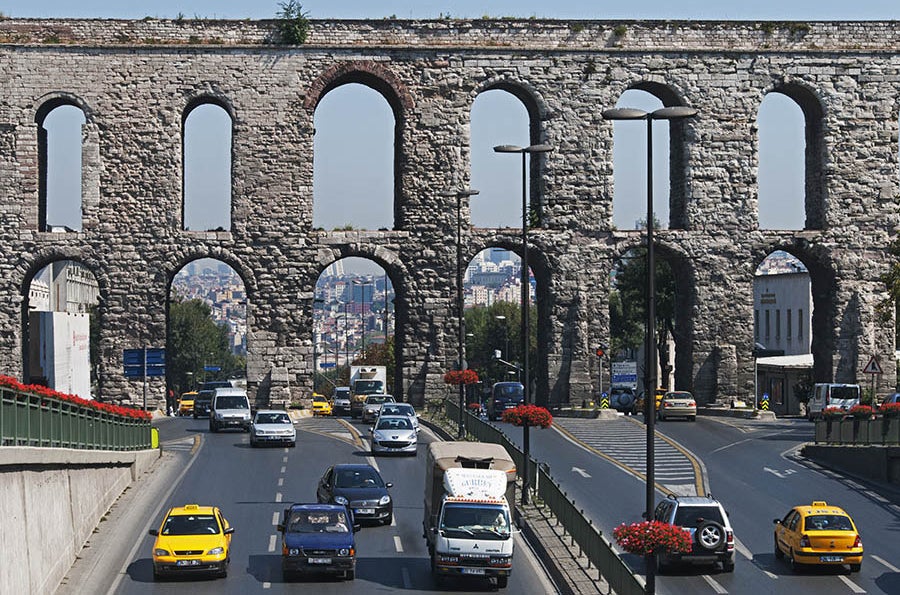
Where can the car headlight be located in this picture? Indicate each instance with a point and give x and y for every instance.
(377, 436)
(341, 500)
(216, 551)
(161, 552)
(344, 552)
(294, 551)
(385, 500)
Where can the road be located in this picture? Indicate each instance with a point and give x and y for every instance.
(753, 469)
(252, 486)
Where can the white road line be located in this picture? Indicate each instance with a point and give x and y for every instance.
(771, 575)
(277, 496)
(275, 516)
(393, 521)
(397, 545)
(729, 445)
(876, 497)
(715, 585)
(267, 585)
(742, 549)
(407, 582)
(283, 469)
(853, 586)
(895, 507)
(284, 459)
(887, 564)
(280, 481)
(272, 540)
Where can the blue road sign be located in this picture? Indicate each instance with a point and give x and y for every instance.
(327, 364)
(212, 368)
(134, 364)
(133, 357)
(156, 357)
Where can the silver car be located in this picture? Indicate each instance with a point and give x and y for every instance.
(394, 434)
(372, 407)
(272, 427)
(400, 409)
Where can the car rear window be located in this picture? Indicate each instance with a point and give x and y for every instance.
(231, 402)
(827, 522)
(692, 516)
(273, 418)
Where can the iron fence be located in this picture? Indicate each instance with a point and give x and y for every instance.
(27, 419)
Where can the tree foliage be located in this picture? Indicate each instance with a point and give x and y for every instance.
(293, 23)
(196, 341)
(890, 306)
(490, 334)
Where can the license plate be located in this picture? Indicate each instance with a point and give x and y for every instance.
(187, 563)
(364, 511)
(831, 558)
(320, 560)
(473, 570)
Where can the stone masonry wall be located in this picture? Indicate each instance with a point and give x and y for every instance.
(134, 80)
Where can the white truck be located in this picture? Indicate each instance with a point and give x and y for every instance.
(468, 521)
(365, 381)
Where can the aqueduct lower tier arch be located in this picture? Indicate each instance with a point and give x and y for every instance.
(135, 79)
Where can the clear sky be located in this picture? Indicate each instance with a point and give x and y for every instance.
(495, 119)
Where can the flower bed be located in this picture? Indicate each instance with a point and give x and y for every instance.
(528, 415)
(647, 537)
(861, 412)
(49, 393)
(890, 410)
(461, 377)
(833, 413)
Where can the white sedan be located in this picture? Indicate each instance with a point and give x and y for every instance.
(272, 427)
(394, 434)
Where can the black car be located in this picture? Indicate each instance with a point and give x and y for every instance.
(203, 403)
(360, 488)
(504, 395)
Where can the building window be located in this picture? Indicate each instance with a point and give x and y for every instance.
(777, 325)
(756, 324)
(787, 324)
(767, 325)
(800, 323)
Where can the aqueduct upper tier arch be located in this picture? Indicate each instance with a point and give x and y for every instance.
(135, 79)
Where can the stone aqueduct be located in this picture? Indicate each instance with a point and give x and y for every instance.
(135, 80)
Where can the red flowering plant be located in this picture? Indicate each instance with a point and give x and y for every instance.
(648, 537)
(528, 415)
(461, 377)
(890, 410)
(861, 412)
(833, 413)
(49, 393)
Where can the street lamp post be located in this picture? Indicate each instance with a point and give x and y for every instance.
(526, 295)
(460, 302)
(363, 313)
(666, 113)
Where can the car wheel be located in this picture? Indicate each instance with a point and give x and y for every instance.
(692, 418)
(389, 518)
(350, 575)
(253, 443)
(793, 563)
(156, 575)
(293, 444)
(502, 581)
(213, 428)
(727, 566)
(710, 535)
(779, 555)
(855, 567)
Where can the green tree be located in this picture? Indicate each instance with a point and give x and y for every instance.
(293, 22)
(196, 341)
(490, 334)
(890, 307)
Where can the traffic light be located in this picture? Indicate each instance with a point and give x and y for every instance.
(601, 351)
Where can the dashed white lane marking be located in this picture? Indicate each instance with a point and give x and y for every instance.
(715, 585)
(274, 518)
(393, 521)
(721, 448)
(397, 545)
(284, 459)
(280, 481)
(742, 549)
(283, 469)
(267, 585)
(407, 582)
(771, 575)
(876, 497)
(278, 497)
(272, 539)
(853, 586)
(895, 507)
(884, 562)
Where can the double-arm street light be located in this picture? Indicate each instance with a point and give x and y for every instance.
(460, 304)
(526, 295)
(666, 113)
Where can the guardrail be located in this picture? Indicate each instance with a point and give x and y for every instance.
(28, 419)
(881, 430)
(589, 538)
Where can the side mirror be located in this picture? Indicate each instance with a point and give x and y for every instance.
(777, 521)
(372, 429)
(153, 532)
(356, 527)
(389, 485)
(280, 528)
(229, 530)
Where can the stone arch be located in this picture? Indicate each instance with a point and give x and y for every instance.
(823, 285)
(199, 100)
(815, 155)
(182, 257)
(365, 72)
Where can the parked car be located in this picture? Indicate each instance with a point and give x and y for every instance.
(318, 538)
(192, 539)
(400, 409)
(712, 535)
(621, 398)
(818, 534)
(202, 402)
(372, 406)
(894, 398)
(272, 427)
(829, 394)
(341, 400)
(358, 487)
(186, 403)
(230, 409)
(504, 395)
(677, 403)
(394, 434)
(320, 405)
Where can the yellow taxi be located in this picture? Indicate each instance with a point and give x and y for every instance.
(818, 534)
(192, 539)
(320, 405)
(639, 402)
(186, 403)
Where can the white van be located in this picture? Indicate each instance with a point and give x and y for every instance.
(230, 408)
(828, 394)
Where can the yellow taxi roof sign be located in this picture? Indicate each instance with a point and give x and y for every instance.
(819, 503)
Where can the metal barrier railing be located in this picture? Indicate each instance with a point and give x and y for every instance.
(588, 537)
(28, 419)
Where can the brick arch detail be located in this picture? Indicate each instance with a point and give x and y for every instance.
(367, 72)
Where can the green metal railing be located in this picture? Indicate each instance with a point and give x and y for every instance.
(583, 532)
(27, 419)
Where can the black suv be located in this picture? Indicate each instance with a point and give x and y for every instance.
(705, 519)
(504, 395)
(203, 402)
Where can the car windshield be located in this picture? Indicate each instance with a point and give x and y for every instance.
(320, 400)
(231, 402)
(679, 395)
(486, 521)
(191, 524)
(318, 521)
(358, 478)
(509, 390)
(272, 418)
(844, 392)
(377, 400)
(693, 516)
(827, 522)
(394, 423)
